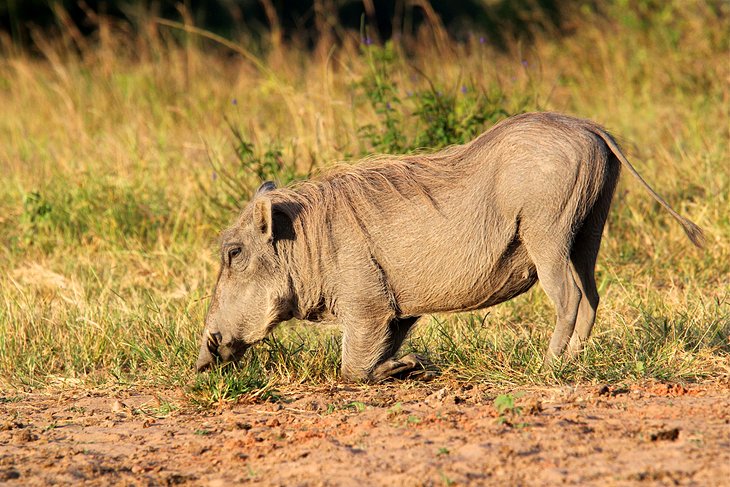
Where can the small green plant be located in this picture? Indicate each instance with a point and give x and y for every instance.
(504, 404)
(508, 413)
(445, 478)
(396, 410)
(412, 419)
(443, 451)
(162, 410)
(357, 406)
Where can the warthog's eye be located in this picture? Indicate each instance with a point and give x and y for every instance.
(233, 253)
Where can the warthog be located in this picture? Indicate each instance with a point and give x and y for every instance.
(377, 245)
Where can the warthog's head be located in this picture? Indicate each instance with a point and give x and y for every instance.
(253, 293)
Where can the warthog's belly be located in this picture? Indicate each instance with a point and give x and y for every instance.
(513, 275)
(475, 283)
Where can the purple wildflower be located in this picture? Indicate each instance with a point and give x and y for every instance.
(464, 89)
(367, 40)
(482, 40)
(524, 63)
(234, 102)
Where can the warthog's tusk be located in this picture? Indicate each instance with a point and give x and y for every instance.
(213, 340)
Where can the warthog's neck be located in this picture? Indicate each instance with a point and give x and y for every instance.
(306, 279)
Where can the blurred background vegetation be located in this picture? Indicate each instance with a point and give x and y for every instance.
(132, 131)
(309, 21)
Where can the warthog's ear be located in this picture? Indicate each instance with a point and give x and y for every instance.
(265, 187)
(262, 218)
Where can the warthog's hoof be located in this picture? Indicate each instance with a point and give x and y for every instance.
(411, 366)
(424, 375)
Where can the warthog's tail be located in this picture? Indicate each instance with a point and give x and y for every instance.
(695, 233)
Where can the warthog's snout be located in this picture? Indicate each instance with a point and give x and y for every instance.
(212, 351)
(205, 359)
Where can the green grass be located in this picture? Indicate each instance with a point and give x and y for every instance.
(122, 161)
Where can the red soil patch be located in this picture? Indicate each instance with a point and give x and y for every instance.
(393, 434)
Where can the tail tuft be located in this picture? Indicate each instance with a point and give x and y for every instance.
(694, 232)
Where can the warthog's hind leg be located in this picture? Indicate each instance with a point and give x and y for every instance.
(556, 278)
(563, 291)
(583, 260)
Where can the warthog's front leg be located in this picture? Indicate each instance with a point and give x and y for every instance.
(368, 352)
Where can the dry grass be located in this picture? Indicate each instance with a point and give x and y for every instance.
(108, 214)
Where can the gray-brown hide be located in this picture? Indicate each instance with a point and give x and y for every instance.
(381, 243)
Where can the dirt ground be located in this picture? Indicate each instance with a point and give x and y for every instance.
(393, 434)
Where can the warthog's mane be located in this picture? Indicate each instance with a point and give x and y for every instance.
(359, 191)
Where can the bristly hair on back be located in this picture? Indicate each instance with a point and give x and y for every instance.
(354, 188)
